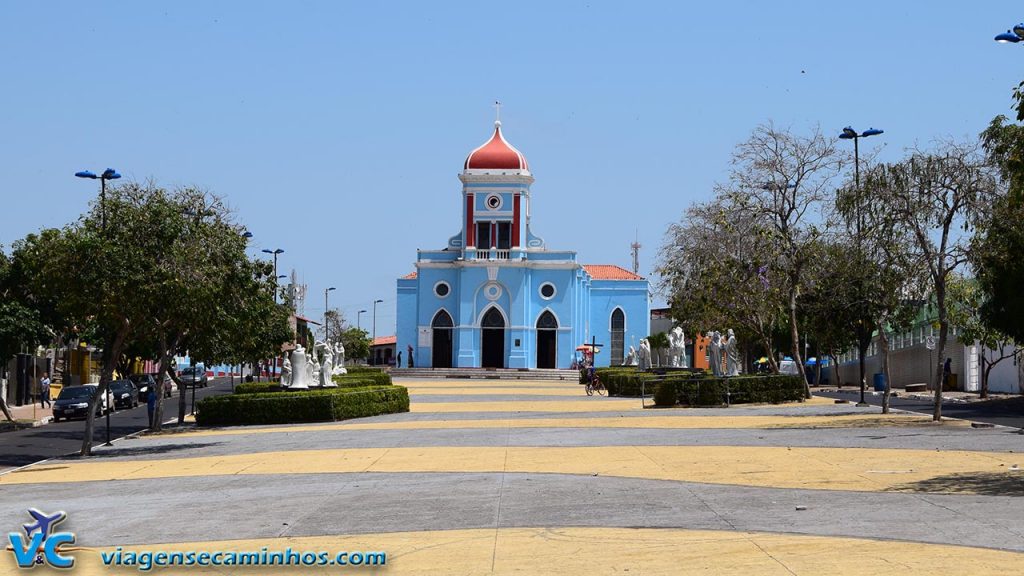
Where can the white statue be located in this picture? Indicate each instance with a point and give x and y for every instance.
(314, 368)
(326, 369)
(339, 360)
(677, 348)
(644, 356)
(630, 358)
(715, 353)
(732, 355)
(286, 372)
(300, 370)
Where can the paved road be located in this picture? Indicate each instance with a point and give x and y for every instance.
(1001, 413)
(23, 447)
(551, 481)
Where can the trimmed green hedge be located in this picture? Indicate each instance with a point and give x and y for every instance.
(699, 388)
(323, 405)
(358, 373)
(257, 387)
(711, 391)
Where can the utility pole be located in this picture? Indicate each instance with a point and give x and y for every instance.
(636, 246)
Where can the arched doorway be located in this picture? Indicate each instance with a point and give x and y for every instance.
(441, 357)
(547, 340)
(618, 326)
(492, 339)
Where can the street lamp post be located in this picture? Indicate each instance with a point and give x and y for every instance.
(108, 174)
(375, 302)
(1011, 36)
(274, 253)
(246, 235)
(359, 317)
(327, 327)
(849, 133)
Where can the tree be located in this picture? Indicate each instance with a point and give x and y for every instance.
(829, 306)
(716, 267)
(659, 342)
(20, 325)
(781, 179)
(966, 300)
(937, 197)
(356, 342)
(334, 326)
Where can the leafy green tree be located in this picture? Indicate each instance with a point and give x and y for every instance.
(356, 342)
(966, 299)
(20, 325)
(659, 343)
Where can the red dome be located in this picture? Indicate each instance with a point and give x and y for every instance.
(496, 154)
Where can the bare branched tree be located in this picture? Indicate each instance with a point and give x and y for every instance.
(938, 196)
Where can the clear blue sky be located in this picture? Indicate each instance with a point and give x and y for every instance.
(336, 130)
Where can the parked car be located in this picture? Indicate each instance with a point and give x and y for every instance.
(126, 395)
(73, 402)
(194, 376)
(142, 383)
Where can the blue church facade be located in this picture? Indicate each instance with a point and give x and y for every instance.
(496, 297)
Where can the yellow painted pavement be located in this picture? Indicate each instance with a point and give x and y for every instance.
(594, 404)
(598, 551)
(681, 421)
(858, 469)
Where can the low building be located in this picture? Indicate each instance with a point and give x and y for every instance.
(383, 351)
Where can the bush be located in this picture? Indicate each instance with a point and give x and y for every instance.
(257, 387)
(359, 374)
(665, 394)
(323, 405)
(712, 391)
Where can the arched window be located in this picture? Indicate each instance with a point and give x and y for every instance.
(547, 321)
(442, 320)
(618, 325)
(492, 319)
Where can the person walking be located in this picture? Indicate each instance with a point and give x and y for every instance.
(399, 363)
(44, 391)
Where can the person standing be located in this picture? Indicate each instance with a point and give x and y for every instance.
(399, 363)
(151, 404)
(44, 391)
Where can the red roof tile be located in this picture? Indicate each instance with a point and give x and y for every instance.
(409, 276)
(609, 272)
(384, 340)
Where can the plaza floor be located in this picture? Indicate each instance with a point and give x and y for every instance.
(493, 477)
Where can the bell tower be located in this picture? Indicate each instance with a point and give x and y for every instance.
(496, 183)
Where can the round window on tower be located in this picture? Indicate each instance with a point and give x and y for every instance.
(493, 202)
(442, 289)
(547, 290)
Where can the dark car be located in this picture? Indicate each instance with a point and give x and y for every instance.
(142, 383)
(73, 402)
(194, 376)
(126, 395)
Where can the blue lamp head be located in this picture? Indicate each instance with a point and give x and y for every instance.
(110, 174)
(848, 133)
(1008, 38)
(872, 132)
(246, 234)
(86, 174)
(1019, 30)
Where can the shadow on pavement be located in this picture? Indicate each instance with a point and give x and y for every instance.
(117, 452)
(985, 483)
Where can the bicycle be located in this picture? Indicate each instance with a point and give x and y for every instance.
(595, 385)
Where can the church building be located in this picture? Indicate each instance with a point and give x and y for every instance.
(497, 297)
